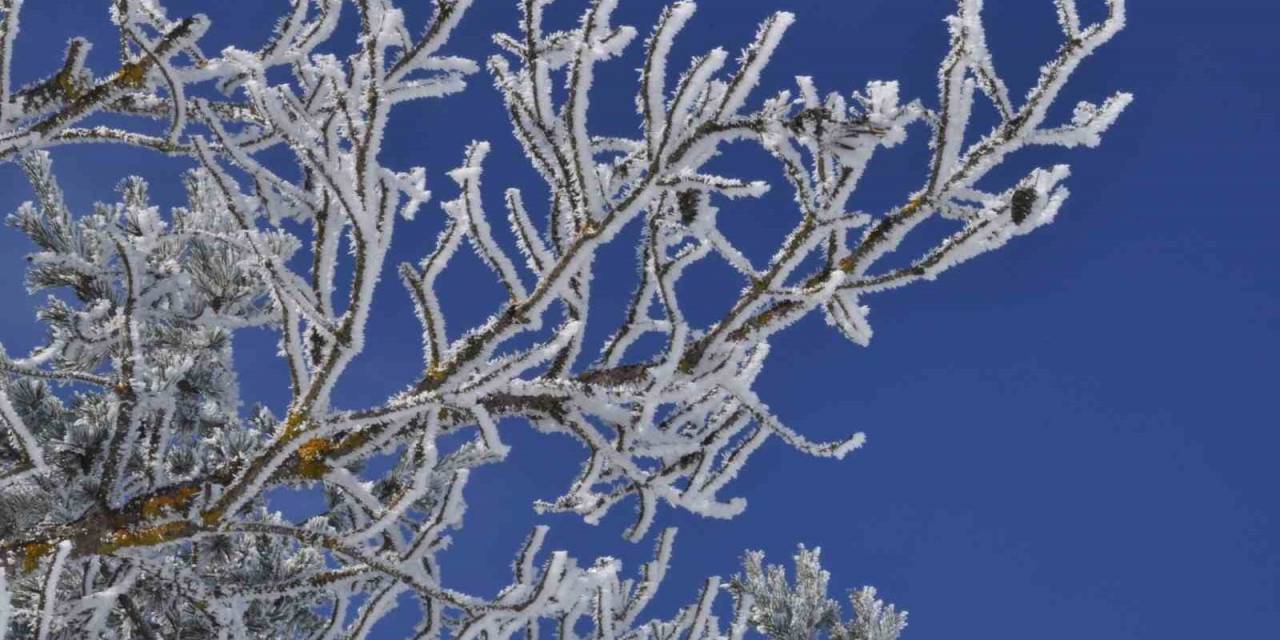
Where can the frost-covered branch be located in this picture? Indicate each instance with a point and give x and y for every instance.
(133, 486)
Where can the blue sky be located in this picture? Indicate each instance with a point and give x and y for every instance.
(1072, 437)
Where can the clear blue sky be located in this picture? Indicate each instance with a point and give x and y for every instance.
(1074, 437)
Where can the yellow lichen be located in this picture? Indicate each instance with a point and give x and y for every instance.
(293, 426)
(68, 85)
(353, 441)
(133, 74)
(914, 205)
(211, 517)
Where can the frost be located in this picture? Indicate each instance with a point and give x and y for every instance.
(124, 431)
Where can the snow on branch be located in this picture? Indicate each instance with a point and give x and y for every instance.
(133, 485)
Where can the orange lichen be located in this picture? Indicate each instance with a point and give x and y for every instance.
(32, 553)
(311, 458)
(157, 505)
(123, 538)
(313, 453)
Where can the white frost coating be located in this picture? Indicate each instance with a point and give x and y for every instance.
(753, 61)
(1088, 123)
(390, 515)
(49, 596)
(979, 59)
(1068, 17)
(27, 442)
(8, 33)
(654, 74)
(530, 239)
(142, 326)
(826, 449)
(468, 177)
(489, 432)
(6, 605)
(691, 86)
(846, 314)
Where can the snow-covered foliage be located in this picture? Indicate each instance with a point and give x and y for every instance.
(132, 483)
(781, 611)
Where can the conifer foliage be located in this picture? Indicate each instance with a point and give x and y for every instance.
(132, 481)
